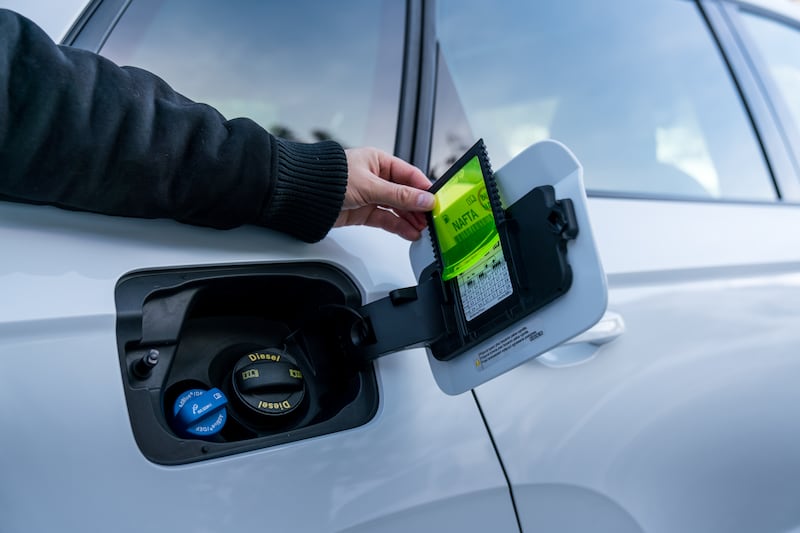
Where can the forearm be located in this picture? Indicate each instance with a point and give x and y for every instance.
(77, 131)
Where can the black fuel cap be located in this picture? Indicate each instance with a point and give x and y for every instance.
(269, 383)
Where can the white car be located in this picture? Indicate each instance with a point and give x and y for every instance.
(678, 412)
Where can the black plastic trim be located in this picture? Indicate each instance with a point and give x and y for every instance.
(409, 91)
(382, 334)
(170, 296)
(427, 89)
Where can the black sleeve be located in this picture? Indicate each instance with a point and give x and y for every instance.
(77, 131)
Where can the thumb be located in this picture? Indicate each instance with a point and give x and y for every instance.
(400, 196)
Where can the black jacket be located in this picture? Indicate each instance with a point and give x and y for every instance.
(76, 131)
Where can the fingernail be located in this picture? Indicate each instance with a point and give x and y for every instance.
(425, 200)
(411, 235)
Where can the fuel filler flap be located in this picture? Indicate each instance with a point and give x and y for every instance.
(507, 270)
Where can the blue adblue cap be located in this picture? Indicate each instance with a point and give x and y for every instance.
(200, 413)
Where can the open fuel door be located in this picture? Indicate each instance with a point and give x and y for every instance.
(507, 271)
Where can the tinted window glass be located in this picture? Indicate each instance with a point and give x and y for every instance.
(779, 45)
(638, 90)
(302, 69)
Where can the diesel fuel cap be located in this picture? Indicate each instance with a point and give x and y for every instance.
(269, 383)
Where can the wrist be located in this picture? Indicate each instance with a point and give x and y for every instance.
(309, 188)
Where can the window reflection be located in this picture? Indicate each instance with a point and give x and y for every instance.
(637, 90)
(779, 44)
(304, 70)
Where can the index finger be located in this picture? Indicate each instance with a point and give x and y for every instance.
(396, 170)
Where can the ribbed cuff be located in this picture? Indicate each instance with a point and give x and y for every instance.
(309, 189)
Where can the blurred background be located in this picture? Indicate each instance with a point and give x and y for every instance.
(51, 14)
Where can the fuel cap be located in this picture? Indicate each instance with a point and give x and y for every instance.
(199, 412)
(269, 383)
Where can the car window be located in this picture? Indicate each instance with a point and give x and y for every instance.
(638, 90)
(779, 45)
(304, 70)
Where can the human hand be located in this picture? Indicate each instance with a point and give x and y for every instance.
(385, 192)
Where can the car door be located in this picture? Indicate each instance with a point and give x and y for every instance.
(75, 453)
(678, 414)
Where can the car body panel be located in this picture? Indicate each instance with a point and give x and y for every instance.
(686, 422)
(68, 440)
(693, 432)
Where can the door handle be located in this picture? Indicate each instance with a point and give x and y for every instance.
(608, 328)
(584, 347)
